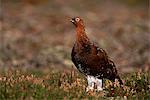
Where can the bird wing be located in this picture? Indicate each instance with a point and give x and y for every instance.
(100, 62)
(100, 53)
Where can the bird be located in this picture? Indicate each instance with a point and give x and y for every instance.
(91, 60)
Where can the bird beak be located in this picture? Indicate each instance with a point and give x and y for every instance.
(72, 20)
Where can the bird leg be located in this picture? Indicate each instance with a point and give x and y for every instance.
(91, 82)
(94, 83)
(99, 84)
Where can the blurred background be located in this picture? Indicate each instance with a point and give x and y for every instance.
(38, 34)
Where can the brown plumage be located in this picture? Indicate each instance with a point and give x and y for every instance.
(89, 58)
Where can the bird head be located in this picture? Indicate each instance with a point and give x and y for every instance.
(77, 21)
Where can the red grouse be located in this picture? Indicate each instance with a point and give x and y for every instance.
(91, 60)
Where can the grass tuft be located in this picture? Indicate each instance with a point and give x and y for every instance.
(21, 84)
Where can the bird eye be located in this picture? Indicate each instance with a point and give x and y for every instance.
(77, 19)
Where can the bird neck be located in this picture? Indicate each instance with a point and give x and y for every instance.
(81, 36)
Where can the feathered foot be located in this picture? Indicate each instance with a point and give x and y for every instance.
(94, 84)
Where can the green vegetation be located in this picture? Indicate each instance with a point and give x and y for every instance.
(19, 84)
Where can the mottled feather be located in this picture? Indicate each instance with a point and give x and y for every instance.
(89, 58)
